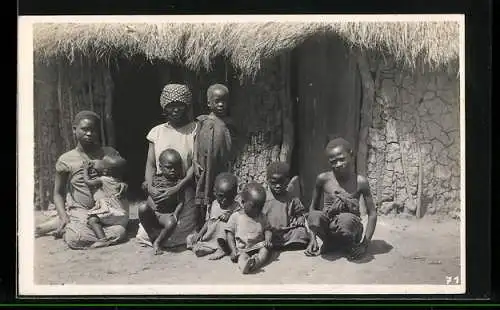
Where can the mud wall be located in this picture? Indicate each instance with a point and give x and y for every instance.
(412, 140)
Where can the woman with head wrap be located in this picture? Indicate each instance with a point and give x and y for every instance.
(73, 197)
(178, 133)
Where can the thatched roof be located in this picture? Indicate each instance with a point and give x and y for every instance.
(244, 44)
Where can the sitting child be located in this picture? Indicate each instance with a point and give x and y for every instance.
(285, 213)
(167, 210)
(248, 233)
(104, 178)
(211, 238)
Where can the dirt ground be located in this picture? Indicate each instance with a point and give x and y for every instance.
(403, 251)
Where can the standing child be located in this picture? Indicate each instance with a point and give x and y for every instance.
(212, 236)
(167, 210)
(104, 178)
(285, 213)
(213, 146)
(248, 232)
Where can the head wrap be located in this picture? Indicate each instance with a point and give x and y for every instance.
(86, 115)
(335, 142)
(175, 92)
(214, 87)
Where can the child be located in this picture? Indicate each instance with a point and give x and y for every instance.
(213, 146)
(167, 211)
(104, 176)
(248, 233)
(285, 213)
(339, 224)
(211, 238)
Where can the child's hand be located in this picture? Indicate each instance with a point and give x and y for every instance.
(268, 244)
(224, 217)
(58, 234)
(234, 257)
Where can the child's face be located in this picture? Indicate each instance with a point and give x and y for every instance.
(339, 159)
(170, 168)
(224, 193)
(278, 183)
(218, 103)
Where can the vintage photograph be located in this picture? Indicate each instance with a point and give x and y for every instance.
(306, 154)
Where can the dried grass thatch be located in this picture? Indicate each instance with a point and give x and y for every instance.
(246, 45)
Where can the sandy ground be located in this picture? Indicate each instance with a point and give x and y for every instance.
(403, 251)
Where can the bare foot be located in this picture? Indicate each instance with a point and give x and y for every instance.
(249, 266)
(200, 251)
(100, 244)
(218, 254)
(157, 250)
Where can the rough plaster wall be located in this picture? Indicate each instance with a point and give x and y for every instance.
(412, 114)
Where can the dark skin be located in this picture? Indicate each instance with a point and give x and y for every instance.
(171, 168)
(252, 203)
(224, 192)
(278, 184)
(86, 133)
(102, 170)
(218, 102)
(342, 174)
(176, 116)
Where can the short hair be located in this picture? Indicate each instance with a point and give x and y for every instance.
(230, 178)
(255, 188)
(170, 152)
(86, 115)
(278, 167)
(213, 88)
(333, 142)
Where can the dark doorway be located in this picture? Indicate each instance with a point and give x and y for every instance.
(136, 110)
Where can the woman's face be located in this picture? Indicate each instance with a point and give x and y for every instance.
(87, 132)
(176, 112)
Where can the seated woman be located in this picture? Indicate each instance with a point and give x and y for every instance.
(178, 133)
(72, 196)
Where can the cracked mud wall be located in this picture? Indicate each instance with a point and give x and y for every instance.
(413, 123)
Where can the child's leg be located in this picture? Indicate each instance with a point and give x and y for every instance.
(148, 220)
(95, 224)
(218, 254)
(168, 224)
(261, 258)
(243, 262)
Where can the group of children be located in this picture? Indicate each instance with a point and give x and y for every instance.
(246, 229)
(245, 226)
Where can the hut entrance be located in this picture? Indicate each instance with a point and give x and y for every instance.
(328, 88)
(136, 110)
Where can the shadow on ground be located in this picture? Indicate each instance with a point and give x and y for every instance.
(376, 247)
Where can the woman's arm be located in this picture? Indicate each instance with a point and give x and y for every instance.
(150, 169)
(60, 182)
(316, 194)
(178, 210)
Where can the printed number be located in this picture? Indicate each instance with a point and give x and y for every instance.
(452, 280)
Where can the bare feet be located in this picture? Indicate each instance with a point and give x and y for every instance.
(218, 254)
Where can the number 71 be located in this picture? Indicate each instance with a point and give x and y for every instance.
(452, 280)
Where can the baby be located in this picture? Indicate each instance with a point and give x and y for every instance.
(167, 211)
(248, 233)
(104, 178)
(211, 238)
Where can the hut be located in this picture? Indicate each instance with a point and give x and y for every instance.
(390, 88)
